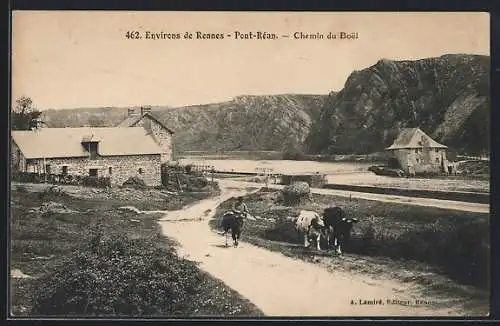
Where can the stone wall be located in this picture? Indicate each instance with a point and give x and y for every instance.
(17, 160)
(162, 137)
(122, 167)
(422, 160)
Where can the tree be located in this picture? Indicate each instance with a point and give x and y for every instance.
(94, 121)
(24, 116)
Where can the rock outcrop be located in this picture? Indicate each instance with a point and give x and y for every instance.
(448, 97)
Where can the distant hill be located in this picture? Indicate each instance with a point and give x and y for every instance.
(270, 122)
(96, 117)
(448, 97)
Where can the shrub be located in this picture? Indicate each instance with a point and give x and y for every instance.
(460, 249)
(296, 193)
(120, 277)
(51, 192)
(32, 177)
(313, 180)
(295, 155)
(189, 182)
(166, 167)
(284, 230)
(22, 189)
(100, 182)
(135, 182)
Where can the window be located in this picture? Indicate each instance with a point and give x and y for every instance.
(65, 170)
(140, 170)
(93, 150)
(110, 170)
(436, 150)
(437, 159)
(47, 168)
(93, 173)
(418, 160)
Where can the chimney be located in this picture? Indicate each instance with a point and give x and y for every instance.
(131, 112)
(145, 110)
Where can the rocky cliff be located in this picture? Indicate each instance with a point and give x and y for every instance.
(448, 97)
(274, 122)
(279, 123)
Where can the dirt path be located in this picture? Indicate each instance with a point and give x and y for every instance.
(448, 204)
(283, 286)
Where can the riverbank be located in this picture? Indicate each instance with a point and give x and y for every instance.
(396, 243)
(426, 234)
(290, 156)
(318, 286)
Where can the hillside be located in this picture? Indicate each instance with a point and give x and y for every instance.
(274, 122)
(447, 97)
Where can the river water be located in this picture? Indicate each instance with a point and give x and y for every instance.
(350, 173)
(279, 166)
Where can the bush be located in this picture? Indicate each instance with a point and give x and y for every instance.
(166, 167)
(32, 177)
(460, 249)
(22, 189)
(284, 230)
(295, 155)
(100, 182)
(135, 182)
(120, 277)
(194, 181)
(313, 180)
(296, 193)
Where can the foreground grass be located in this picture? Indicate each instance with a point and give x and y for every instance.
(133, 270)
(453, 243)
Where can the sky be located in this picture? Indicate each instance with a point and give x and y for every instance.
(70, 59)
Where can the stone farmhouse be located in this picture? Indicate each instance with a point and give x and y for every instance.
(118, 153)
(416, 152)
(136, 147)
(157, 130)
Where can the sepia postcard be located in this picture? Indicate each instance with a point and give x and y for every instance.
(249, 164)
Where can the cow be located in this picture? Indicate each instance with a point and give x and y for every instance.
(338, 226)
(309, 224)
(233, 221)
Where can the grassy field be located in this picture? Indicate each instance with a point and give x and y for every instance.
(453, 244)
(64, 242)
(442, 183)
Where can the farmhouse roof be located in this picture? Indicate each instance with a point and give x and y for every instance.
(67, 142)
(132, 121)
(414, 138)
